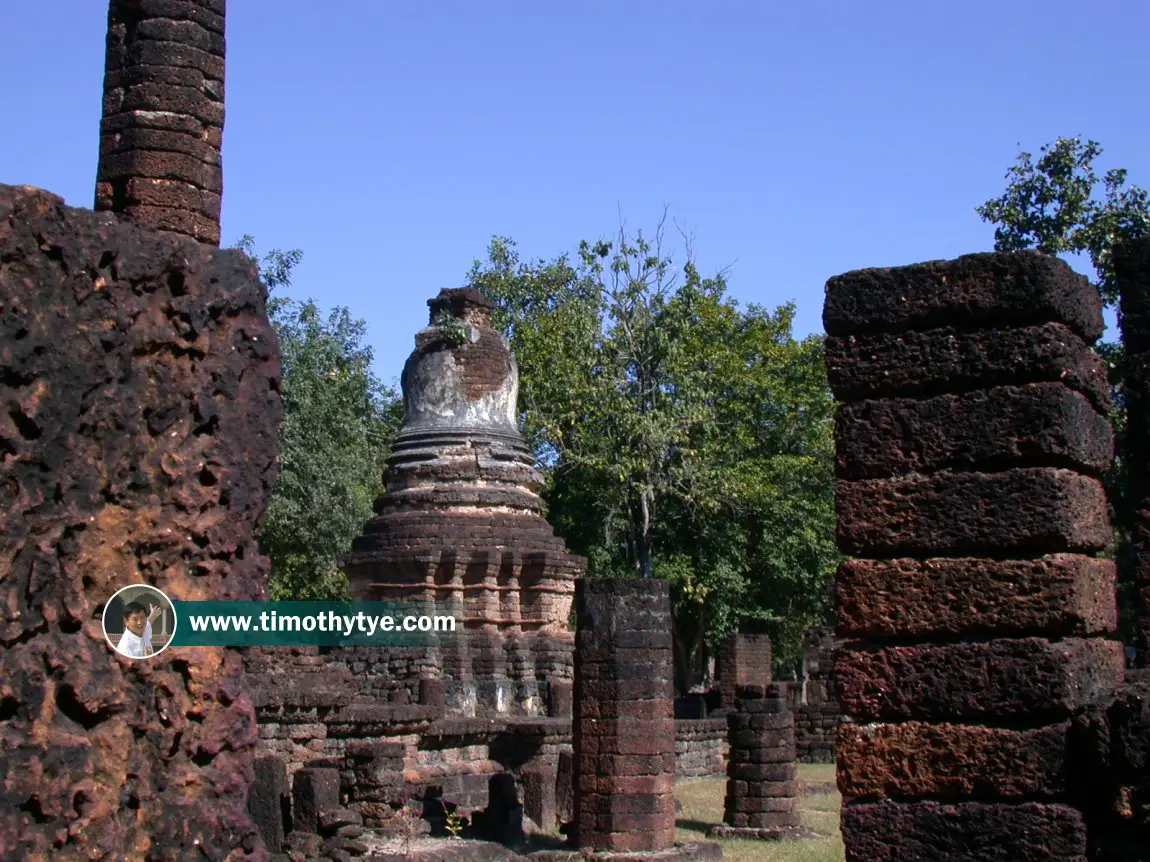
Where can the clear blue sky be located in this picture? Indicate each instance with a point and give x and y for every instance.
(389, 140)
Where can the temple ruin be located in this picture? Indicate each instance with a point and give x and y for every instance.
(986, 710)
(461, 523)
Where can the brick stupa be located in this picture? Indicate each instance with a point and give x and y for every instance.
(461, 523)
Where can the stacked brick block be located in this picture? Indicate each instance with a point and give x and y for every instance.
(163, 115)
(744, 659)
(970, 442)
(624, 725)
(1132, 267)
(761, 783)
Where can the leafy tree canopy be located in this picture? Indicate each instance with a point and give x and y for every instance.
(1055, 205)
(683, 437)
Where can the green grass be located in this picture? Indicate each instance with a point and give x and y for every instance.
(703, 808)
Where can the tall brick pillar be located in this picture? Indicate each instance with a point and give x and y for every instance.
(1132, 267)
(971, 436)
(624, 725)
(744, 659)
(163, 115)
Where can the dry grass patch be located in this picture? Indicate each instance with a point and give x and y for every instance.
(703, 808)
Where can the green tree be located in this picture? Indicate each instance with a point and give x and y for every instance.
(1053, 205)
(1058, 205)
(683, 437)
(339, 421)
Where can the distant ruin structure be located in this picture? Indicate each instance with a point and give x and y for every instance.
(744, 659)
(163, 116)
(813, 700)
(978, 612)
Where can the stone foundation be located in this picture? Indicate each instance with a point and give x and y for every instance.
(959, 741)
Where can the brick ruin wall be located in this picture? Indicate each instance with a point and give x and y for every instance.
(745, 659)
(700, 748)
(139, 380)
(312, 704)
(163, 115)
(812, 699)
(978, 614)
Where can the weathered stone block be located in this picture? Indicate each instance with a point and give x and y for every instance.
(314, 791)
(753, 722)
(1038, 425)
(769, 819)
(208, 14)
(190, 33)
(948, 360)
(964, 832)
(267, 801)
(951, 761)
(784, 753)
(756, 804)
(1004, 288)
(1019, 511)
(560, 694)
(736, 787)
(1058, 595)
(140, 378)
(1025, 679)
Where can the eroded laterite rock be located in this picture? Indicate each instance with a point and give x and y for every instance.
(895, 831)
(1059, 594)
(949, 359)
(1040, 424)
(983, 290)
(1011, 679)
(952, 762)
(139, 385)
(1021, 511)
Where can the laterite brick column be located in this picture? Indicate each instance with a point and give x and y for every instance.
(163, 115)
(624, 730)
(761, 774)
(970, 441)
(1132, 267)
(744, 659)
